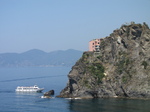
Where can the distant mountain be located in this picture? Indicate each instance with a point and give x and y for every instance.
(37, 57)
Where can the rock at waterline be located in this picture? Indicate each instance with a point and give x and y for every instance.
(48, 94)
(51, 92)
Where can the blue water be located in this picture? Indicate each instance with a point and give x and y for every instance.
(54, 78)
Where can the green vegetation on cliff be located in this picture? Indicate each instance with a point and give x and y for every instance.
(120, 69)
(97, 70)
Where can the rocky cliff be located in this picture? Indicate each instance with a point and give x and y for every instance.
(120, 69)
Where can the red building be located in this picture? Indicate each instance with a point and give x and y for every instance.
(94, 45)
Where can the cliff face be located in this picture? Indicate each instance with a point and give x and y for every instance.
(120, 69)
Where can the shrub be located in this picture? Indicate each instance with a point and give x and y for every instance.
(144, 63)
(123, 64)
(124, 79)
(97, 70)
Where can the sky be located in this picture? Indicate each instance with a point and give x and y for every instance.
(51, 25)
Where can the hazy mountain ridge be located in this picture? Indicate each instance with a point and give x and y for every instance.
(37, 57)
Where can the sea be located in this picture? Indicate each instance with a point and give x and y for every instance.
(54, 78)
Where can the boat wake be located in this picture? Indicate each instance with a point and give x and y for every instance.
(30, 78)
(6, 91)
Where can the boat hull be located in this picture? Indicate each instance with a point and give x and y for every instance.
(29, 89)
(39, 90)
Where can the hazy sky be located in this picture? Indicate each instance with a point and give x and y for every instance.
(51, 25)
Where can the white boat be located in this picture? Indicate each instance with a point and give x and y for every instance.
(34, 88)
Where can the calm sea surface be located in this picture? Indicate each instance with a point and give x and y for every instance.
(54, 78)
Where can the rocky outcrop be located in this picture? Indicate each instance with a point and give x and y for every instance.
(120, 69)
(48, 94)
